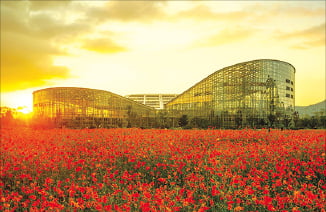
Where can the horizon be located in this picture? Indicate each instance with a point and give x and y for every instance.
(154, 47)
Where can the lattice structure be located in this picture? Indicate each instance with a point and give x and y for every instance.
(156, 101)
(255, 94)
(83, 107)
(258, 93)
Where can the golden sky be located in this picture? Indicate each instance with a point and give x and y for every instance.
(129, 47)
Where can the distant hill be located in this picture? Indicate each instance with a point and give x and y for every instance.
(317, 109)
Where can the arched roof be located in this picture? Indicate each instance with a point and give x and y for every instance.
(231, 66)
(95, 91)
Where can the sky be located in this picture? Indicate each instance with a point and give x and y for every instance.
(131, 47)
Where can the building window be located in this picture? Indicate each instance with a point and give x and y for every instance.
(291, 96)
(287, 88)
(291, 89)
(287, 81)
(287, 95)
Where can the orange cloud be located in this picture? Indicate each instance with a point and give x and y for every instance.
(46, 5)
(290, 10)
(255, 13)
(203, 12)
(27, 62)
(225, 36)
(102, 45)
(26, 56)
(307, 38)
(128, 11)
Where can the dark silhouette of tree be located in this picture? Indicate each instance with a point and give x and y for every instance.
(313, 123)
(238, 119)
(197, 122)
(131, 116)
(271, 119)
(162, 119)
(322, 122)
(304, 123)
(295, 117)
(286, 121)
(183, 120)
(261, 123)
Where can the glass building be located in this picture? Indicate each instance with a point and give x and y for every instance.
(257, 93)
(82, 107)
(156, 101)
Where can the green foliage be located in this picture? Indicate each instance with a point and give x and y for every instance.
(312, 122)
(197, 122)
(183, 121)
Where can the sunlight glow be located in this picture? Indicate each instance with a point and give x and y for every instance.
(24, 110)
(18, 99)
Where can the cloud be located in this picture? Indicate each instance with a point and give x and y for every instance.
(50, 22)
(270, 11)
(34, 32)
(252, 19)
(289, 10)
(203, 12)
(314, 32)
(47, 27)
(12, 14)
(26, 62)
(48, 5)
(225, 36)
(128, 11)
(307, 38)
(258, 13)
(26, 54)
(102, 45)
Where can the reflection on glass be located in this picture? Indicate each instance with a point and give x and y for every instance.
(255, 94)
(82, 107)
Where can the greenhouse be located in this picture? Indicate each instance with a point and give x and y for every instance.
(82, 107)
(251, 94)
(256, 94)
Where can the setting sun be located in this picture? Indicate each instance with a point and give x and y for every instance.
(18, 99)
(24, 110)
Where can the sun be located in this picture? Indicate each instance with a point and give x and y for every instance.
(25, 110)
(22, 101)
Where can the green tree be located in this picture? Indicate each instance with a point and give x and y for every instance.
(183, 121)
(162, 119)
(313, 122)
(322, 121)
(286, 121)
(295, 118)
(271, 119)
(304, 123)
(197, 122)
(238, 119)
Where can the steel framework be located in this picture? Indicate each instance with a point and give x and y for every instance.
(83, 107)
(254, 94)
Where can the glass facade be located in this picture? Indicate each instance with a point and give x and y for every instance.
(83, 107)
(156, 101)
(257, 93)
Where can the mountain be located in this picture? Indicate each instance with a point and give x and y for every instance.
(318, 109)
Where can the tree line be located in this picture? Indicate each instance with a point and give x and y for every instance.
(163, 120)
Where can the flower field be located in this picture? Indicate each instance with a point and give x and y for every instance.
(162, 170)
